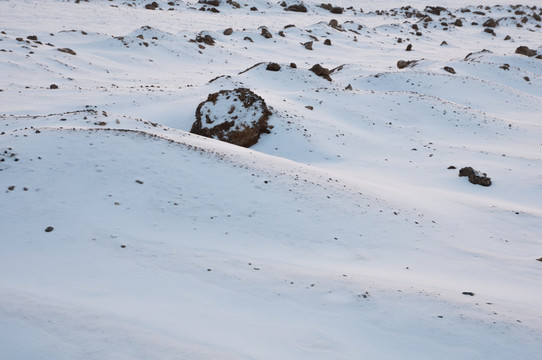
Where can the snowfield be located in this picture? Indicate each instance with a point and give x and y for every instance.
(345, 233)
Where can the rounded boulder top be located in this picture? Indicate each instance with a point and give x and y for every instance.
(237, 116)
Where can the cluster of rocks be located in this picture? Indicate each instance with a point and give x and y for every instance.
(475, 177)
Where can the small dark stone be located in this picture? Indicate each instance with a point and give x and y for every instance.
(228, 31)
(123, 246)
(273, 67)
(53, 86)
(451, 167)
(206, 39)
(152, 6)
(490, 23)
(444, 43)
(321, 71)
(490, 31)
(540, 259)
(475, 177)
(409, 47)
(293, 65)
(308, 45)
(11, 188)
(449, 69)
(67, 51)
(296, 8)
(254, 8)
(458, 23)
(469, 293)
(401, 64)
(526, 78)
(266, 34)
(32, 37)
(327, 42)
(524, 50)
(139, 181)
(49, 229)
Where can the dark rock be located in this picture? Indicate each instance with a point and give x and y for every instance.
(67, 51)
(469, 293)
(444, 43)
(210, 2)
(49, 229)
(254, 8)
(321, 71)
(490, 31)
(236, 116)
(296, 8)
(490, 23)
(458, 22)
(435, 10)
(293, 65)
(348, 87)
(53, 86)
(475, 177)
(327, 42)
(152, 6)
(235, 4)
(540, 259)
(524, 50)
(507, 37)
(401, 64)
(248, 38)
(449, 69)
(451, 167)
(266, 34)
(409, 47)
(206, 39)
(273, 67)
(32, 37)
(228, 31)
(526, 78)
(308, 45)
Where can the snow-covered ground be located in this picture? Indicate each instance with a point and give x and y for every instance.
(342, 234)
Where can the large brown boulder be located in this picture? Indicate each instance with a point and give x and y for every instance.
(236, 116)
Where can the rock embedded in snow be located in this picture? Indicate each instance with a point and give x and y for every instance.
(297, 8)
(401, 64)
(236, 116)
(321, 71)
(475, 177)
(273, 67)
(524, 50)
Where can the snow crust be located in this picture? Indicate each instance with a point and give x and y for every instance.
(342, 234)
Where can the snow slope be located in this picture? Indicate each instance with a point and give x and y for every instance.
(342, 234)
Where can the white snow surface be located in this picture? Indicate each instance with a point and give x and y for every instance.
(342, 234)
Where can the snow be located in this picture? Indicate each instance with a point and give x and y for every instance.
(341, 234)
